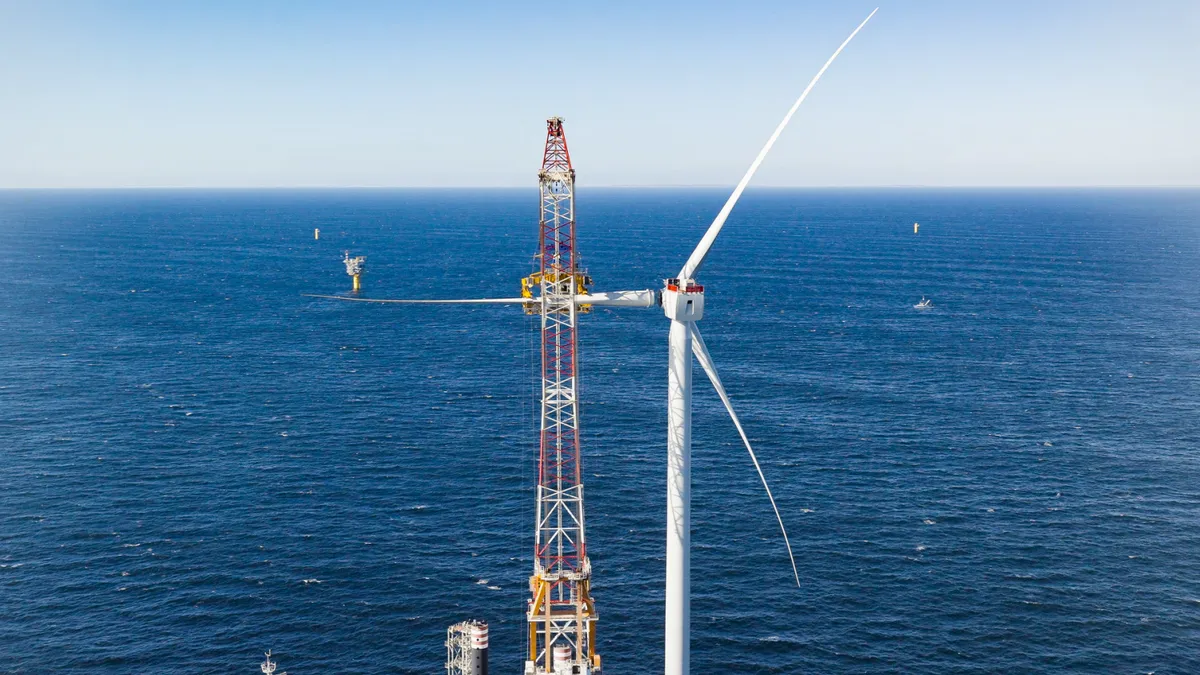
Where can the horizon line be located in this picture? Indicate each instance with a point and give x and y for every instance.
(664, 186)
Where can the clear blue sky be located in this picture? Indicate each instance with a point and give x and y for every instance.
(455, 93)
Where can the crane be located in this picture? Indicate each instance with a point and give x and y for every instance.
(560, 612)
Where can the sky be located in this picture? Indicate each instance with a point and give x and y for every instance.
(433, 94)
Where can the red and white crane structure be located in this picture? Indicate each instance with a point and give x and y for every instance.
(561, 612)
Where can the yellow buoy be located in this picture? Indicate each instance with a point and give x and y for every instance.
(316, 233)
(915, 226)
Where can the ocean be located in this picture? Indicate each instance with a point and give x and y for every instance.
(198, 464)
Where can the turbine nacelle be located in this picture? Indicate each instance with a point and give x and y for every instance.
(683, 300)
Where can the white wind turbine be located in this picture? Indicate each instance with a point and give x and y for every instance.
(682, 301)
(683, 304)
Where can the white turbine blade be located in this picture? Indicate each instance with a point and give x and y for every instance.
(705, 360)
(646, 298)
(476, 301)
(697, 258)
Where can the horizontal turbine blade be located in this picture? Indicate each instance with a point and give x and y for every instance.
(646, 298)
(475, 301)
(697, 258)
(705, 360)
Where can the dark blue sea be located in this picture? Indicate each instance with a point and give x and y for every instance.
(198, 464)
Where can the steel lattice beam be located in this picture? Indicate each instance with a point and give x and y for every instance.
(561, 611)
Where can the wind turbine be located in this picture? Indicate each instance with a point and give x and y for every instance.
(682, 301)
(683, 304)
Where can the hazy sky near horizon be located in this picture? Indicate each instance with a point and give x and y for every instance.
(207, 94)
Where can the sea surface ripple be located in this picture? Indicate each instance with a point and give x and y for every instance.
(198, 464)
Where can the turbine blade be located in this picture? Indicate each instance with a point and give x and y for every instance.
(705, 360)
(697, 258)
(484, 301)
(646, 298)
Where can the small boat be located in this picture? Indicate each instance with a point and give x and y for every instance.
(925, 303)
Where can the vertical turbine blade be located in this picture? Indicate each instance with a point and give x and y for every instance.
(693, 263)
(705, 360)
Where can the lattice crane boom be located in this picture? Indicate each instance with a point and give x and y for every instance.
(560, 612)
(561, 615)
